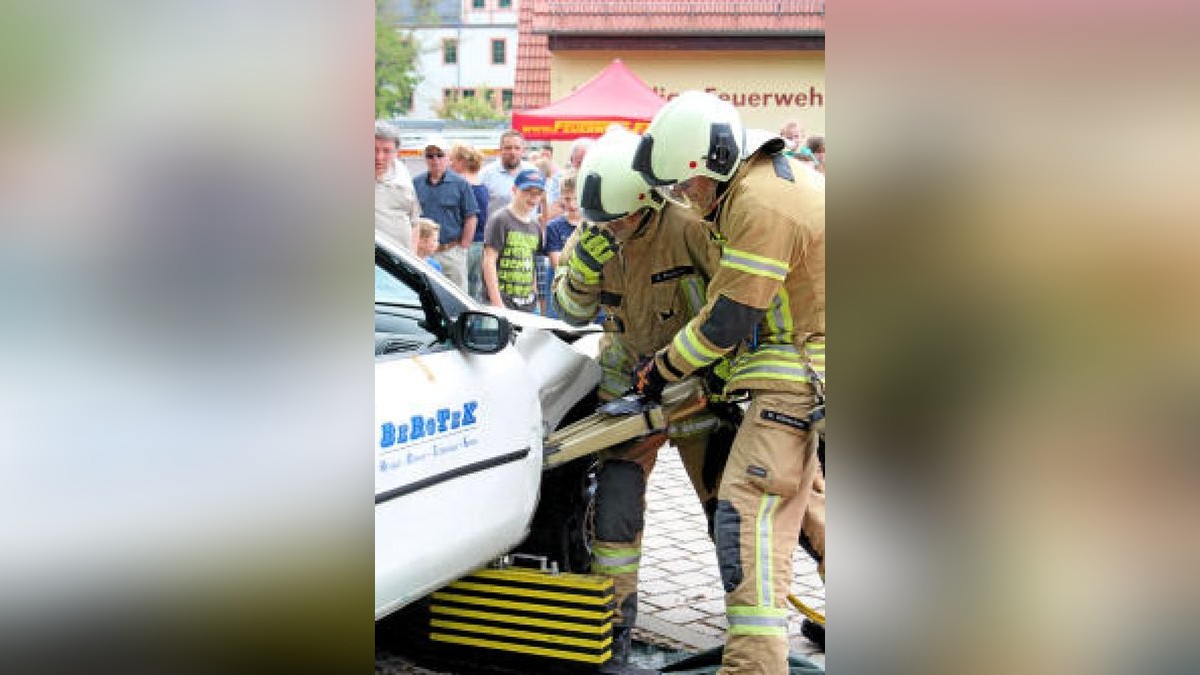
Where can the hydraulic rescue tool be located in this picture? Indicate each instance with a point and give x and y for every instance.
(622, 419)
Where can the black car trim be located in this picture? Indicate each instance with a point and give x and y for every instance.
(459, 472)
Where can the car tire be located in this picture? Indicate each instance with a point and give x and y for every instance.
(559, 531)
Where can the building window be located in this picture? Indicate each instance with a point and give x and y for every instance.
(449, 51)
(506, 96)
(477, 4)
(504, 4)
(499, 52)
(468, 93)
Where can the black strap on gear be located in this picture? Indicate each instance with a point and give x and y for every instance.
(782, 168)
(610, 299)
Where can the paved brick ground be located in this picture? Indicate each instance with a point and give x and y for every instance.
(680, 596)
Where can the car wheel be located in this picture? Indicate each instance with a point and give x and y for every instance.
(559, 531)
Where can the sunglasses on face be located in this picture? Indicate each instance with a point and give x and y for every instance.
(432, 155)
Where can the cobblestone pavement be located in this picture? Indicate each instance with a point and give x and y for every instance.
(679, 593)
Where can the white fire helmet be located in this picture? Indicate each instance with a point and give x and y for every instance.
(694, 134)
(607, 187)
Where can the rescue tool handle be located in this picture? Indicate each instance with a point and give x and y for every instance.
(543, 563)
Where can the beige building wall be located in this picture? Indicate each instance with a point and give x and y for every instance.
(767, 87)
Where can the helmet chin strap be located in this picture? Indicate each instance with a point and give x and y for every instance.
(643, 222)
(722, 190)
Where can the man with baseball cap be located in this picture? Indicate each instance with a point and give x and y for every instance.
(447, 199)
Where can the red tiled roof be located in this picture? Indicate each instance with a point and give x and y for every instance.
(537, 20)
(703, 17)
(531, 84)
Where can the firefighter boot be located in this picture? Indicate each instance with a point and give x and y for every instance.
(622, 645)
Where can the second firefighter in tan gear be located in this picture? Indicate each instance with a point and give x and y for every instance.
(766, 306)
(646, 268)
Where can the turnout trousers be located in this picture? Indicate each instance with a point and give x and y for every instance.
(618, 516)
(813, 529)
(761, 505)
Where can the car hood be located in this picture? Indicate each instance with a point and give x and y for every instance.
(527, 320)
(561, 358)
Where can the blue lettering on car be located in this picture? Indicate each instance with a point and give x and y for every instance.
(418, 427)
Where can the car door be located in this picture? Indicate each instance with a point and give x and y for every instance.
(457, 442)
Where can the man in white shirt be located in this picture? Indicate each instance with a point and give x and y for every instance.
(396, 204)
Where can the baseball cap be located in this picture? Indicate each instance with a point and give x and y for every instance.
(436, 142)
(529, 178)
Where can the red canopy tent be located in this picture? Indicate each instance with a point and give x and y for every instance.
(614, 96)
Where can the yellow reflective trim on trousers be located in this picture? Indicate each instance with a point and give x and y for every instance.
(751, 263)
(752, 620)
(688, 344)
(755, 610)
(763, 525)
(692, 426)
(768, 631)
(614, 570)
(616, 551)
(613, 560)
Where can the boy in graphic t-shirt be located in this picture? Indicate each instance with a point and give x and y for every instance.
(512, 238)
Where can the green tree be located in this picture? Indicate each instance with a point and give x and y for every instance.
(395, 64)
(472, 108)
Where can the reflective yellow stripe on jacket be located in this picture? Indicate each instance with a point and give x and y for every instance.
(579, 307)
(779, 363)
(751, 263)
(694, 349)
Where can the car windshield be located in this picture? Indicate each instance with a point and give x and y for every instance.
(392, 291)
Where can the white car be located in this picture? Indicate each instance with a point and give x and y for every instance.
(463, 398)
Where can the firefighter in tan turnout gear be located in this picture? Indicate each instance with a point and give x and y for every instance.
(647, 267)
(766, 310)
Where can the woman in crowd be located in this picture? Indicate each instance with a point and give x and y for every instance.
(466, 161)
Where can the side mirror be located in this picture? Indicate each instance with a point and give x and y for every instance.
(482, 333)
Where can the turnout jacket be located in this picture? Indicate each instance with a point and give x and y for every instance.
(767, 298)
(648, 291)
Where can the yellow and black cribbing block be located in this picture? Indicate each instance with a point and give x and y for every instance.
(529, 612)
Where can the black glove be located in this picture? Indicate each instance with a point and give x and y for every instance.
(648, 381)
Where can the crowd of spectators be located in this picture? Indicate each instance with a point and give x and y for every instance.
(461, 206)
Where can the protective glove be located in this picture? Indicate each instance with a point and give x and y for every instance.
(595, 248)
(715, 377)
(648, 381)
